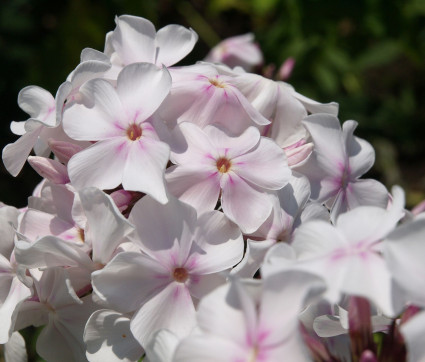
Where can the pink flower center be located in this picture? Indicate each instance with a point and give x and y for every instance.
(223, 165)
(134, 132)
(180, 275)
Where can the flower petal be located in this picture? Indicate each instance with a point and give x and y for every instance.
(15, 154)
(134, 39)
(106, 225)
(329, 148)
(244, 204)
(174, 43)
(129, 280)
(149, 218)
(14, 349)
(266, 166)
(360, 152)
(108, 338)
(405, 252)
(413, 333)
(142, 87)
(105, 119)
(170, 309)
(229, 313)
(220, 241)
(284, 295)
(233, 146)
(210, 349)
(38, 103)
(100, 165)
(144, 168)
(9, 307)
(199, 189)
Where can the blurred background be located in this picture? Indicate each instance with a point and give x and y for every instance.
(367, 55)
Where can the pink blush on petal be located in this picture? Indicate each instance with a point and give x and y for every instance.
(122, 150)
(176, 293)
(262, 335)
(191, 263)
(194, 279)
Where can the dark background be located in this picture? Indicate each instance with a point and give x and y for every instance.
(367, 55)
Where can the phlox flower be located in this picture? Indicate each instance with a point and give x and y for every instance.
(108, 337)
(64, 315)
(348, 255)
(182, 258)
(248, 320)
(128, 150)
(44, 111)
(237, 51)
(12, 289)
(201, 95)
(135, 40)
(99, 231)
(338, 161)
(56, 212)
(241, 171)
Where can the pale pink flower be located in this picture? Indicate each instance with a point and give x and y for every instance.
(108, 337)
(100, 231)
(338, 161)
(236, 51)
(181, 261)
(64, 315)
(135, 40)
(348, 255)
(247, 320)
(13, 292)
(128, 150)
(241, 171)
(54, 213)
(201, 95)
(42, 125)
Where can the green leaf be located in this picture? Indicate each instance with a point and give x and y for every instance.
(380, 54)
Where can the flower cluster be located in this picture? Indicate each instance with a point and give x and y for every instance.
(202, 213)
